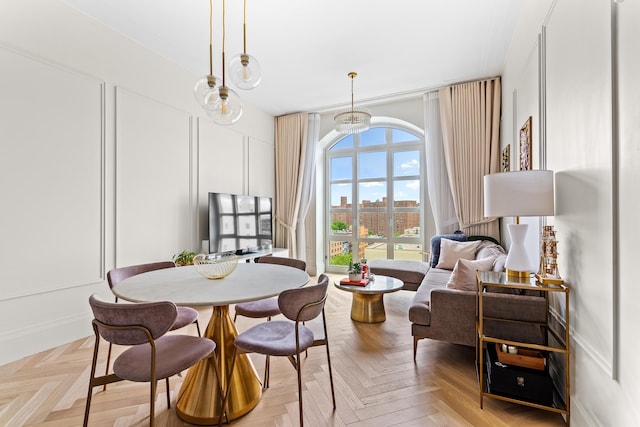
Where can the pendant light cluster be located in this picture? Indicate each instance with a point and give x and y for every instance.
(352, 121)
(221, 103)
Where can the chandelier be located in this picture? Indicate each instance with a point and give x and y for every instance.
(221, 103)
(352, 120)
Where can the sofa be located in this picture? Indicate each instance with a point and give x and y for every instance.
(444, 305)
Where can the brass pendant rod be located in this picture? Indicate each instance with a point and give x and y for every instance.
(224, 34)
(211, 37)
(244, 26)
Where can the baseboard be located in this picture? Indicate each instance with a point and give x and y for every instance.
(43, 336)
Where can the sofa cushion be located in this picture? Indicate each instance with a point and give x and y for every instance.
(499, 262)
(463, 277)
(451, 251)
(419, 311)
(435, 245)
(488, 249)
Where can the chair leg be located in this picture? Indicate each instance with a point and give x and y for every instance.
(298, 368)
(333, 393)
(415, 348)
(106, 370)
(152, 404)
(326, 344)
(226, 392)
(198, 327)
(267, 364)
(168, 396)
(87, 406)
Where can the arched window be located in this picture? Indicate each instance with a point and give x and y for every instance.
(374, 196)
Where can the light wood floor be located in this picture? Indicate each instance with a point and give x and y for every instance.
(377, 383)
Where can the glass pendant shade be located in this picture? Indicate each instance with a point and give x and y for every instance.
(202, 87)
(223, 106)
(352, 121)
(211, 97)
(245, 71)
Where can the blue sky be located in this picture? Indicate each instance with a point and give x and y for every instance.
(373, 169)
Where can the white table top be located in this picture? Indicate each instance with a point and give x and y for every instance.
(380, 285)
(185, 286)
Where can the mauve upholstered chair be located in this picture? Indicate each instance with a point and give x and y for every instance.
(186, 315)
(290, 337)
(151, 355)
(266, 307)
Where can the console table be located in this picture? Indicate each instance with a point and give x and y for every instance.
(493, 279)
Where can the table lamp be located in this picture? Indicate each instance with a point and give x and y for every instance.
(521, 193)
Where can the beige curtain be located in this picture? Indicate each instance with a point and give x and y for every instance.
(290, 148)
(470, 114)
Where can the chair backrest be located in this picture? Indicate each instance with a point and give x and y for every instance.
(116, 275)
(157, 317)
(290, 262)
(306, 303)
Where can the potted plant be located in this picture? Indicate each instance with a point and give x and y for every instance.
(184, 258)
(355, 271)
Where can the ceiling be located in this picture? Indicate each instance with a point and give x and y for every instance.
(306, 48)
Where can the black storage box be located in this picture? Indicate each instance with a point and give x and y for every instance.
(517, 382)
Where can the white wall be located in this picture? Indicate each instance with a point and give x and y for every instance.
(105, 160)
(581, 125)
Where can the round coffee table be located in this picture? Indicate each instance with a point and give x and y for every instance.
(367, 305)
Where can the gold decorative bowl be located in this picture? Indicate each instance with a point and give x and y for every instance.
(216, 266)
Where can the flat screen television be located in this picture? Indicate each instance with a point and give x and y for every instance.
(239, 223)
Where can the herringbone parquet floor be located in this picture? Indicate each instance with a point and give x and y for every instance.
(377, 383)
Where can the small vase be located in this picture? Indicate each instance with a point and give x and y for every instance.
(355, 277)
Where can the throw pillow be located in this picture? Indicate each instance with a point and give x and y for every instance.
(451, 251)
(435, 245)
(463, 277)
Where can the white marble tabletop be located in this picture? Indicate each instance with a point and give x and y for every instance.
(185, 286)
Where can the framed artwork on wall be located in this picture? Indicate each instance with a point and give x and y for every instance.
(506, 158)
(525, 146)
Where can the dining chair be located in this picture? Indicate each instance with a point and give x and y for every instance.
(152, 355)
(186, 315)
(266, 307)
(289, 337)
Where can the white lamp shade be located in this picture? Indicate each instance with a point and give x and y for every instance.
(521, 193)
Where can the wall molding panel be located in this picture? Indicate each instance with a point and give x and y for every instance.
(152, 170)
(59, 161)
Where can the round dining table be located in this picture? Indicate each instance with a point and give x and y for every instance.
(199, 397)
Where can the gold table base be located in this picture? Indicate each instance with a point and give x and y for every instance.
(199, 398)
(367, 308)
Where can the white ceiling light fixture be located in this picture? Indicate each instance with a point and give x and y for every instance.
(245, 69)
(352, 120)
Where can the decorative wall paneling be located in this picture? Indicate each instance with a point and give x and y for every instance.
(153, 204)
(58, 162)
(579, 129)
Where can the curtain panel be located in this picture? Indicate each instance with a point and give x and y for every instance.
(470, 115)
(444, 212)
(290, 157)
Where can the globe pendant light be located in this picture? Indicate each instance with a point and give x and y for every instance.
(245, 69)
(352, 120)
(225, 104)
(207, 83)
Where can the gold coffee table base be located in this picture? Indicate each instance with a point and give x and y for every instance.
(199, 398)
(367, 308)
